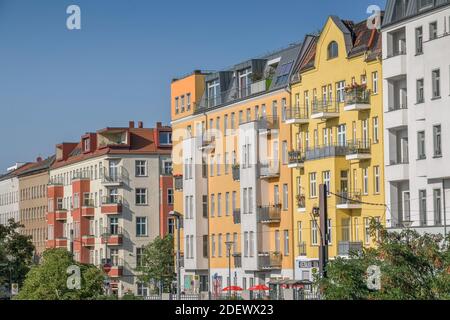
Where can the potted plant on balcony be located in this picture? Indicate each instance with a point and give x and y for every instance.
(355, 86)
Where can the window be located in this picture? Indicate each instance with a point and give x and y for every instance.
(241, 117)
(141, 226)
(232, 121)
(219, 245)
(139, 256)
(225, 124)
(326, 176)
(376, 131)
(419, 40)
(333, 50)
(252, 243)
(227, 204)
(329, 233)
(141, 196)
(285, 197)
(182, 104)
(276, 195)
(250, 200)
(245, 244)
(218, 159)
(142, 289)
(141, 168)
(433, 30)
(375, 82)
(212, 206)
(420, 91)
(284, 152)
(377, 181)
(113, 226)
(314, 234)
(219, 205)
(425, 4)
(437, 141)
(213, 245)
(170, 196)
(177, 105)
(165, 138)
(421, 145)
(205, 246)
(213, 93)
(366, 230)
(366, 181)
(205, 206)
(437, 206)
(312, 185)
(423, 207)
(436, 78)
(406, 206)
(286, 242)
(340, 91)
(188, 102)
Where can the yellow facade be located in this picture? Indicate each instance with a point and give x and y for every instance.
(338, 140)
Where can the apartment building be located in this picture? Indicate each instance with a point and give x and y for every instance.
(33, 202)
(416, 66)
(9, 193)
(337, 140)
(106, 196)
(231, 176)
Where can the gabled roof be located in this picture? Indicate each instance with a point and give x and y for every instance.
(16, 172)
(359, 39)
(38, 167)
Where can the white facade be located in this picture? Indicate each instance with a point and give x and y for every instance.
(125, 223)
(416, 67)
(9, 200)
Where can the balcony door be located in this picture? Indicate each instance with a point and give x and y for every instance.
(406, 206)
(345, 229)
(114, 169)
(404, 156)
(342, 135)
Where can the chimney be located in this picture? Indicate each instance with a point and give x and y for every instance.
(158, 124)
(140, 124)
(38, 159)
(131, 124)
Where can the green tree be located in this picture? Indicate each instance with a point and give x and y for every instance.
(16, 253)
(157, 263)
(413, 267)
(48, 281)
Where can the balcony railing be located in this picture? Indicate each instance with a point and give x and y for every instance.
(325, 106)
(115, 176)
(302, 249)
(208, 140)
(347, 247)
(237, 216)
(56, 181)
(269, 214)
(349, 198)
(268, 123)
(296, 158)
(237, 257)
(82, 175)
(270, 260)
(402, 106)
(358, 147)
(236, 169)
(269, 169)
(112, 199)
(326, 151)
(297, 115)
(178, 180)
(357, 96)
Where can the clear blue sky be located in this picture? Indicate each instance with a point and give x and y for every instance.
(57, 84)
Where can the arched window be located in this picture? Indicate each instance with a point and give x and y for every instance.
(333, 50)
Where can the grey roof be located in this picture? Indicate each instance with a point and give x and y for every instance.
(400, 10)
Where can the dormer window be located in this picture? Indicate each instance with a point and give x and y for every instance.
(165, 138)
(333, 50)
(244, 82)
(213, 93)
(87, 145)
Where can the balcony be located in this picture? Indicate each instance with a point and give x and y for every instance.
(302, 249)
(301, 203)
(296, 160)
(61, 243)
(237, 257)
(269, 214)
(208, 142)
(236, 169)
(397, 171)
(396, 116)
(81, 175)
(270, 260)
(297, 115)
(347, 247)
(357, 99)
(113, 178)
(349, 200)
(326, 151)
(269, 170)
(325, 110)
(61, 214)
(88, 208)
(395, 64)
(56, 181)
(88, 241)
(116, 271)
(112, 205)
(268, 123)
(178, 181)
(113, 236)
(358, 150)
(237, 216)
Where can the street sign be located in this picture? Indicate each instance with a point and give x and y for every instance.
(107, 268)
(14, 289)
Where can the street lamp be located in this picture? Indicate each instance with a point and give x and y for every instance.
(178, 216)
(229, 245)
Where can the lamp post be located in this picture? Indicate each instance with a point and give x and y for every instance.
(178, 216)
(229, 245)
